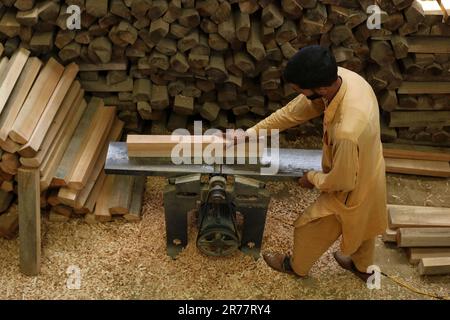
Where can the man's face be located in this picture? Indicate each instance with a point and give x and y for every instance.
(311, 94)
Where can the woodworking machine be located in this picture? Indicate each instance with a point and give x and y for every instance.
(230, 201)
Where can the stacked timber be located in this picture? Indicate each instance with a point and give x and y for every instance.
(46, 124)
(425, 234)
(170, 61)
(417, 160)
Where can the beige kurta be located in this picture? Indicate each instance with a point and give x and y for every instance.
(352, 181)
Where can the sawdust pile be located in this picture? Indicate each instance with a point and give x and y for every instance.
(121, 260)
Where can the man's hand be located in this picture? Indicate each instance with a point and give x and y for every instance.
(304, 182)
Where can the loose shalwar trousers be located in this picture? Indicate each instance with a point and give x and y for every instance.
(314, 238)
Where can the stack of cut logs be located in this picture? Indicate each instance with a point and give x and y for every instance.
(171, 61)
(45, 123)
(425, 234)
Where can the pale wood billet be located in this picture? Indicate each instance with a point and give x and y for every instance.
(53, 158)
(101, 211)
(60, 178)
(54, 104)
(434, 266)
(91, 147)
(423, 237)
(402, 151)
(135, 210)
(418, 167)
(36, 102)
(78, 198)
(403, 216)
(29, 221)
(11, 75)
(70, 104)
(415, 254)
(120, 198)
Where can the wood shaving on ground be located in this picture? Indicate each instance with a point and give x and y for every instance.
(121, 260)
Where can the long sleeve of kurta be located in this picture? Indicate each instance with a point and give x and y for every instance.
(297, 111)
(342, 176)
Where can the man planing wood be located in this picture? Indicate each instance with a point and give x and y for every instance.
(352, 202)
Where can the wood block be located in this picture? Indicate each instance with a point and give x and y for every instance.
(100, 50)
(424, 88)
(82, 196)
(97, 8)
(401, 216)
(102, 86)
(418, 167)
(32, 147)
(10, 163)
(216, 70)
(11, 75)
(71, 102)
(392, 150)
(94, 194)
(210, 111)
(116, 65)
(42, 42)
(248, 6)
(189, 18)
(272, 17)
(99, 130)
(9, 223)
(142, 90)
(188, 42)
(415, 254)
(36, 102)
(254, 44)
(9, 24)
(159, 98)
(135, 209)
(434, 266)
(68, 160)
(158, 9)
(52, 159)
(428, 44)
(389, 235)
(162, 145)
(183, 105)
(158, 30)
(242, 26)
(5, 200)
(419, 118)
(70, 52)
(121, 195)
(423, 237)
(29, 221)
(101, 212)
(222, 13)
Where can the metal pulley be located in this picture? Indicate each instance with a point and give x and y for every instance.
(218, 235)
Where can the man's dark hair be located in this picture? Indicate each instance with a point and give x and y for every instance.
(311, 67)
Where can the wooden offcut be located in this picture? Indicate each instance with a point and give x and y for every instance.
(33, 145)
(402, 216)
(68, 108)
(29, 221)
(423, 237)
(434, 266)
(135, 211)
(91, 147)
(12, 74)
(415, 254)
(60, 178)
(418, 167)
(402, 151)
(36, 102)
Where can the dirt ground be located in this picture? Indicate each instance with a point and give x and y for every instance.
(120, 260)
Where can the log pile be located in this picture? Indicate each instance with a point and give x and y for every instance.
(170, 61)
(46, 124)
(425, 234)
